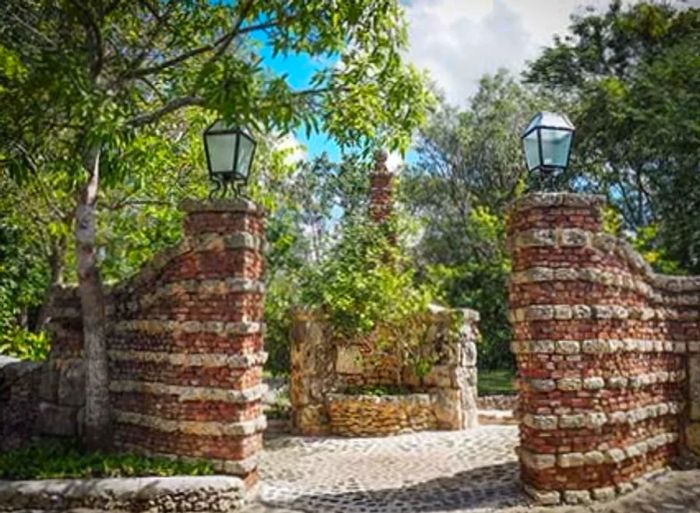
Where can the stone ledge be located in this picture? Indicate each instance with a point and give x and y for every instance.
(175, 289)
(217, 242)
(612, 382)
(558, 199)
(190, 393)
(192, 427)
(567, 312)
(616, 455)
(603, 494)
(208, 360)
(594, 420)
(141, 494)
(574, 237)
(619, 279)
(603, 346)
(418, 398)
(161, 326)
(221, 205)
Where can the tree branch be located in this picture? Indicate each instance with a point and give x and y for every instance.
(172, 106)
(219, 46)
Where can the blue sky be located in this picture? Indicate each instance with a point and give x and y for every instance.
(299, 69)
(458, 41)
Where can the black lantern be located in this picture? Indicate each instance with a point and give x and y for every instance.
(230, 153)
(547, 142)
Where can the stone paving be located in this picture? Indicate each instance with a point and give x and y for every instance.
(472, 471)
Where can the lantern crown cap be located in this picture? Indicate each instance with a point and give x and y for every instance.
(547, 119)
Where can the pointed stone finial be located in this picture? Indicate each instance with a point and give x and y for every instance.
(380, 159)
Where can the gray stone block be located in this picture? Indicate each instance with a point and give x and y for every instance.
(71, 384)
(57, 420)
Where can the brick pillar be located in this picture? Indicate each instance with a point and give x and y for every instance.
(186, 352)
(600, 343)
(380, 189)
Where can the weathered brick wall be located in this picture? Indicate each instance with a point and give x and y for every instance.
(322, 365)
(603, 348)
(185, 345)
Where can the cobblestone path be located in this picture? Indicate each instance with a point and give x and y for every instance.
(473, 471)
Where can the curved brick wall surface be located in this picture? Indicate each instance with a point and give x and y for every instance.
(604, 350)
(185, 342)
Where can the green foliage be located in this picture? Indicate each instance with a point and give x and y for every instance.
(20, 343)
(495, 382)
(301, 231)
(378, 390)
(366, 288)
(646, 244)
(57, 460)
(365, 281)
(481, 282)
(469, 171)
(631, 77)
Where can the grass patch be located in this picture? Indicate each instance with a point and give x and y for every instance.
(54, 460)
(495, 382)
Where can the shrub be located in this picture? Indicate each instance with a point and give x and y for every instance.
(65, 460)
(366, 288)
(24, 344)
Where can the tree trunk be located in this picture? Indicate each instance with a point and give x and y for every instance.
(97, 411)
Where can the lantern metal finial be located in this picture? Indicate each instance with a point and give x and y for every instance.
(229, 151)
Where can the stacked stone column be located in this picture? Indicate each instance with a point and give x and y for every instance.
(600, 343)
(381, 183)
(186, 346)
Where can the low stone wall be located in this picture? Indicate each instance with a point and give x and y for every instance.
(62, 388)
(185, 349)
(19, 382)
(604, 349)
(365, 415)
(136, 495)
(497, 402)
(322, 366)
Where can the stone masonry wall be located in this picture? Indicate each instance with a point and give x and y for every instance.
(366, 415)
(185, 346)
(604, 347)
(18, 401)
(324, 369)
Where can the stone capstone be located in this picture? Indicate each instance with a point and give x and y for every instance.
(137, 495)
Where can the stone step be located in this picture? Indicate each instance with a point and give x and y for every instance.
(498, 417)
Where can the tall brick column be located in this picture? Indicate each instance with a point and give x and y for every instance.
(380, 189)
(186, 347)
(602, 345)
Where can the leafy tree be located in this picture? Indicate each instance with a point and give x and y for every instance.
(81, 80)
(632, 76)
(469, 170)
(302, 232)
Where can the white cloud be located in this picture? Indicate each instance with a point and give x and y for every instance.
(460, 40)
(394, 161)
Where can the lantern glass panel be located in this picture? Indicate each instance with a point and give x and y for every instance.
(245, 156)
(555, 147)
(221, 149)
(532, 150)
